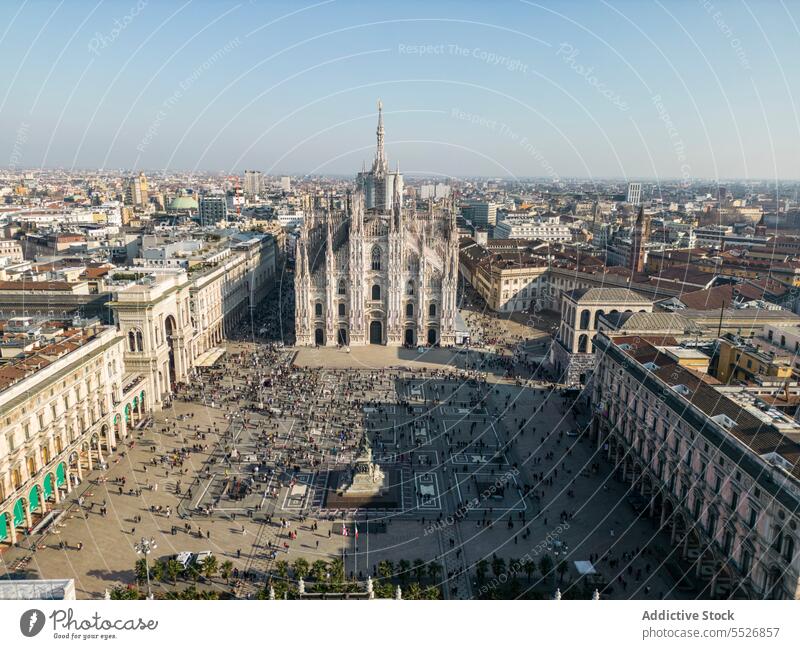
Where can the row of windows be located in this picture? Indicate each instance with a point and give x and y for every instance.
(702, 473)
(409, 309)
(376, 289)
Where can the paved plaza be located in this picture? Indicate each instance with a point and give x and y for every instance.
(486, 466)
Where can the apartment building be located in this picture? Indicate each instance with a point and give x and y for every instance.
(714, 469)
(65, 402)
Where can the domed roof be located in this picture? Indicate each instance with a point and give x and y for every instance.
(183, 203)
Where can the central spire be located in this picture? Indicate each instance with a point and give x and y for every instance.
(380, 155)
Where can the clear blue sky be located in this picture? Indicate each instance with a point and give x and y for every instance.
(562, 89)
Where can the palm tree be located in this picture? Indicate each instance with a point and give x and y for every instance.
(300, 567)
(404, 568)
(318, 570)
(434, 569)
(431, 592)
(419, 569)
(125, 592)
(173, 570)
(193, 571)
(282, 568)
(157, 571)
(498, 566)
(562, 568)
(480, 570)
(209, 566)
(545, 565)
(337, 571)
(386, 569)
(529, 567)
(141, 570)
(225, 569)
(414, 591)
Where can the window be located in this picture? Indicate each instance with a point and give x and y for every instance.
(341, 308)
(788, 548)
(585, 315)
(318, 309)
(753, 517)
(376, 292)
(376, 258)
(342, 288)
(432, 310)
(746, 562)
(410, 288)
(409, 310)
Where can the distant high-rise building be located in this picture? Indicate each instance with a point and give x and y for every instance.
(286, 183)
(212, 209)
(136, 191)
(439, 190)
(635, 193)
(480, 213)
(252, 183)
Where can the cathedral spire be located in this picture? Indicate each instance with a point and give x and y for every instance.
(380, 164)
(397, 207)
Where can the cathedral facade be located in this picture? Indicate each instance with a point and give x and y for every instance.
(368, 274)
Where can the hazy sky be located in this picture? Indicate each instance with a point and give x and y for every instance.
(559, 89)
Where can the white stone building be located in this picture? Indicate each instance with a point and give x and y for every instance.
(174, 319)
(65, 403)
(376, 276)
(572, 352)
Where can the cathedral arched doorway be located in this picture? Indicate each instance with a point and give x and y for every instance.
(319, 337)
(410, 337)
(342, 337)
(432, 340)
(375, 333)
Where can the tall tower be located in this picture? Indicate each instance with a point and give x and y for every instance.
(356, 268)
(380, 165)
(450, 276)
(394, 333)
(378, 184)
(641, 233)
(302, 290)
(331, 282)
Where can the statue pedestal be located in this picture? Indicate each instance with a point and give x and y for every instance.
(365, 484)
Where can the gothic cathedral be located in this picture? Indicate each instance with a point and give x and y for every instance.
(374, 272)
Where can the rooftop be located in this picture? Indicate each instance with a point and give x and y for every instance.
(762, 435)
(607, 296)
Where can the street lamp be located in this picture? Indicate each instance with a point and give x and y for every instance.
(145, 547)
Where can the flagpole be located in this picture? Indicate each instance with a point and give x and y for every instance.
(355, 545)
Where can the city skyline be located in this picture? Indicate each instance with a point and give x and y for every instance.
(529, 92)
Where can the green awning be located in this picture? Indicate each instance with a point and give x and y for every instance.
(61, 475)
(3, 527)
(48, 486)
(33, 498)
(19, 513)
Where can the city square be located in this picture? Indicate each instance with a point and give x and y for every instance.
(486, 469)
